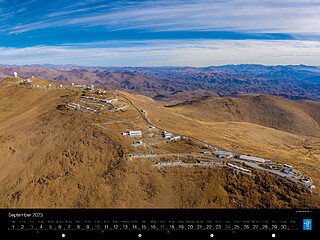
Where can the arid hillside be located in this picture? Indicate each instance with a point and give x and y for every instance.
(300, 117)
(54, 156)
(51, 157)
(217, 121)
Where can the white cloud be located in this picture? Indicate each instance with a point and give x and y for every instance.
(168, 53)
(295, 16)
(282, 16)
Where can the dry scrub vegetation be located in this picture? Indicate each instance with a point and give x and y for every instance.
(56, 158)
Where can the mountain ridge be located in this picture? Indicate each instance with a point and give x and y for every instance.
(178, 84)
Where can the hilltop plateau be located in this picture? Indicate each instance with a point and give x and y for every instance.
(57, 154)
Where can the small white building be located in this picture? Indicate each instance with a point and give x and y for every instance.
(15, 74)
(109, 100)
(135, 133)
(92, 110)
(69, 105)
(92, 87)
(28, 80)
(49, 85)
(132, 133)
(175, 138)
(122, 107)
(206, 153)
(74, 104)
(311, 187)
(167, 134)
(60, 85)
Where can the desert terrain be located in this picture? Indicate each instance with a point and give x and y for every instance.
(58, 154)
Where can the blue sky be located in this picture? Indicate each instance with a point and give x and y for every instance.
(160, 32)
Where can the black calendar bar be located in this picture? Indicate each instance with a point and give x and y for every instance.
(159, 223)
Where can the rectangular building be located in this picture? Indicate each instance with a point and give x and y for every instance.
(135, 133)
(239, 168)
(175, 138)
(253, 159)
(221, 154)
(206, 153)
(122, 107)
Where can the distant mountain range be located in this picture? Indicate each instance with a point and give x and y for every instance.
(177, 84)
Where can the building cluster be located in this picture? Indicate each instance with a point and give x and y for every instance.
(83, 86)
(101, 92)
(289, 170)
(26, 81)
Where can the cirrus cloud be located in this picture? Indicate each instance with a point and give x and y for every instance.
(168, 53)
